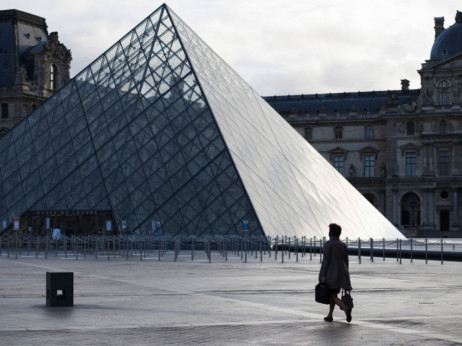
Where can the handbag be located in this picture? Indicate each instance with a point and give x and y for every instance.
(347, 299)
(322, 294)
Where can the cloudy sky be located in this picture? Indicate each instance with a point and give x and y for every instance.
(277, 46)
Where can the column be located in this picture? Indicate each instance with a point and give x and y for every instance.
(455, 212)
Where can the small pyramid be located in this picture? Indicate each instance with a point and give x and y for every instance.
(160, 130)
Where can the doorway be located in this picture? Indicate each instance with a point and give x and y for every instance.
(444, 220)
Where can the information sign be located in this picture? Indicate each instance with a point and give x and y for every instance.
(16, 223)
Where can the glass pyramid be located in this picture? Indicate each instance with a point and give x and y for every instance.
(159, 128)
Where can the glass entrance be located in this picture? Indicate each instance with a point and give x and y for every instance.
(70, 224)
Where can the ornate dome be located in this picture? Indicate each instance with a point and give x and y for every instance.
(449, 41)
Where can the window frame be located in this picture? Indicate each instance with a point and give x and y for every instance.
(368, 131)
(410, 128)
(308, 133)
(338, 132)
(443, 127)
(444, 162)
(444, 93)
(5, 111)
(339, 163)
(411, 163)
(53, 77)
(369, 165)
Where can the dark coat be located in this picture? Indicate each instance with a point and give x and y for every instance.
(335, 264)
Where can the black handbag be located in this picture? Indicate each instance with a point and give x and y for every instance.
(322, 294)
(347, 299)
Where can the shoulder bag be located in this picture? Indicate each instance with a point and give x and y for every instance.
(322, 295)
(347, 299)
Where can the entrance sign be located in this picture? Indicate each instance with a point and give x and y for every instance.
(108, 225)
(246, 225)
(124, 224)
(47, 223)
(4, 224)
(16, 223)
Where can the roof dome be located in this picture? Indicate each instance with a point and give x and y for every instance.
(449, 41)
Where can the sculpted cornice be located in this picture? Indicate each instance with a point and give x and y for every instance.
(338, 152)
(367, 151)
(57, 50)
(410, 147)
(23, 17)
(454, 61)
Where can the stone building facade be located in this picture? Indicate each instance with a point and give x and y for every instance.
(401, 149)
(33, 65)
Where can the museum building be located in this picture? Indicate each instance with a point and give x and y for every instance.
(33, 65)
(400, 148)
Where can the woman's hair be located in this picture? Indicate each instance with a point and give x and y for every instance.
(335, 230)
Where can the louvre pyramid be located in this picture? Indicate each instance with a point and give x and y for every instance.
(159, 127)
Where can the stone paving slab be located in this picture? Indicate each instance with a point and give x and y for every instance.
(153, 302)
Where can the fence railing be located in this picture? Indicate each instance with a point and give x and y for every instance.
(220, 248)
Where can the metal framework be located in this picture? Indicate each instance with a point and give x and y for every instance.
(162, 133)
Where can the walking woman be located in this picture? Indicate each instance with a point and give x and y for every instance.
(334, 270)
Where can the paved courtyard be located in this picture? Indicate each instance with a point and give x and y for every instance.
(151, 302)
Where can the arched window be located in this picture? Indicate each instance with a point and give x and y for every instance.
(410, 128)
(53, 77)
(444, 93)
(410, 210)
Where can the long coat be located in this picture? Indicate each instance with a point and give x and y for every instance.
(335, 264)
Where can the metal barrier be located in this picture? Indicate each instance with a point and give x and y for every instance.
(112, 247)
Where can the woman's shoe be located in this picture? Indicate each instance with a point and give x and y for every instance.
(328, 319)
(348, 315)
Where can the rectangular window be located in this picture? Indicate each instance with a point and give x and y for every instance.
(338, 164)
(410, 164)
(410, 128)
(369, 132)
(4, 110)
(368, 166)
(443, 162)
(444, 93)
(308, 133)
(443, 127)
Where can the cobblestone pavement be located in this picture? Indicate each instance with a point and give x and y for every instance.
(151, 302)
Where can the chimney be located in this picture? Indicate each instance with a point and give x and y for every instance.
(459, 17)
(404, 85)
(439, 26)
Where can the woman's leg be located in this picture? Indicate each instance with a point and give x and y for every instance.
(331, 307)
(339, 302)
